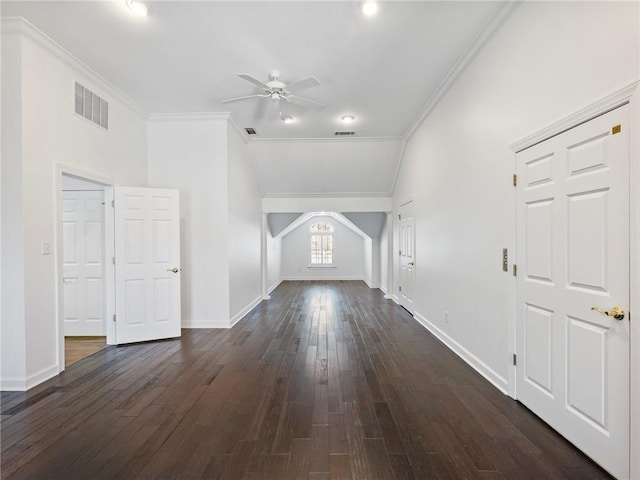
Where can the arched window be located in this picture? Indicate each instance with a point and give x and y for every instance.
(321, 244)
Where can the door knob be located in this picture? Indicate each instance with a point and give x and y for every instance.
(615, 312)
(174, 269)
(410, 263)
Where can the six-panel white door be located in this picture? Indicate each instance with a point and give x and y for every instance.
(573, 254)
(83, 263)
(407, 257)
(147, 258)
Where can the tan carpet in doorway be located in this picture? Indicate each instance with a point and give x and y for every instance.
(77, 348)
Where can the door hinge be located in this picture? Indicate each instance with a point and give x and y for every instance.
(114, 317)
(515, 359)
(399, 252)
(515, 270)
(113, 203)
(616, 129)
(113, 260)
(399, 217)
(515, 180)
(400, 288)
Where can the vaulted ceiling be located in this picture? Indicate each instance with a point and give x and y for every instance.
(186, 55)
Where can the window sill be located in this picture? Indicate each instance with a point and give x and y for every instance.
(322, 266)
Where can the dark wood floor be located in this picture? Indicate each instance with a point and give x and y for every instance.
(325, 381)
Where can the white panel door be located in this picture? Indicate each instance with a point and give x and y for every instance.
(407, 257)
(83, 263)
(147, 259)
(573, 254)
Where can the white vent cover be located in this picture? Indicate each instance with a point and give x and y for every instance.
(91, 106)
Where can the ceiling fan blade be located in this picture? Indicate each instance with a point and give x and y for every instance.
(302, 84)
(273, 110)
(304, 102)
(255, 81)
(229, 100)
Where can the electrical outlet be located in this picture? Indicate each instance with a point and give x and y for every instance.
(446, 316)
(46, 248)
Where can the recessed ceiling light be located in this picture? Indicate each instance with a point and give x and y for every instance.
(347, 118)
(138, 8)
(369, 7)
(287, 119)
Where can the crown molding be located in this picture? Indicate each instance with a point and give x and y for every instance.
(326, 140)
(496, 23)
(189, 117)
(329, 195)
(21, 26)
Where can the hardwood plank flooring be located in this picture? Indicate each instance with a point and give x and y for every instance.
(327, 380)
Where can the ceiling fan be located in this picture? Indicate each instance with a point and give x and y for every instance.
(277, 92)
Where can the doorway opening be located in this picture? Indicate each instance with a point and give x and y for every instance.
(84, 306)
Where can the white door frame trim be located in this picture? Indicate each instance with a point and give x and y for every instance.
(630, 94)
(60, 170)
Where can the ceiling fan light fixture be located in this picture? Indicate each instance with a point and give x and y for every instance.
(347, 118)
(369, 7)
(287, 119)
(138, 8)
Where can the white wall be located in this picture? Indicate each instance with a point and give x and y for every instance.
(349, 253)
(52, 134)
(274, 261)
(375, 262)
(384, 259)
(367, 260)
(190, 154)
(549, 60)
(13, 330)
(245, 228)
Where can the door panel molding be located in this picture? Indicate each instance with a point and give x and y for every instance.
(573, 256)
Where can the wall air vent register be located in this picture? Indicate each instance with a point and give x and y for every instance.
(91, 106)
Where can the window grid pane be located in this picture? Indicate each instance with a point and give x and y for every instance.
(321, 249)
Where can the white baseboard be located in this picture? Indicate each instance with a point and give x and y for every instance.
(474, 362)
(205, 324)
(392, 297)
(384, 290)
(238, 316)
(274, 286)
(22, 384)
(298, 278)
(371, 284)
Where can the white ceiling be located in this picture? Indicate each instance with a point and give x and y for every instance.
(184, 57)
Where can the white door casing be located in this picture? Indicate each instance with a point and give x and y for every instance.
(407, 256)
(83, 263)
(572, 255)
(147, 259)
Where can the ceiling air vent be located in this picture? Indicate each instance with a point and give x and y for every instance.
(91, 106)
(344, 134)
(251, 131)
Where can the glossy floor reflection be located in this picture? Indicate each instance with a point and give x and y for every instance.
(327, 380)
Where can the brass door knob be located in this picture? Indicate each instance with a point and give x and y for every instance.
(615, 312)
(174, 269)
